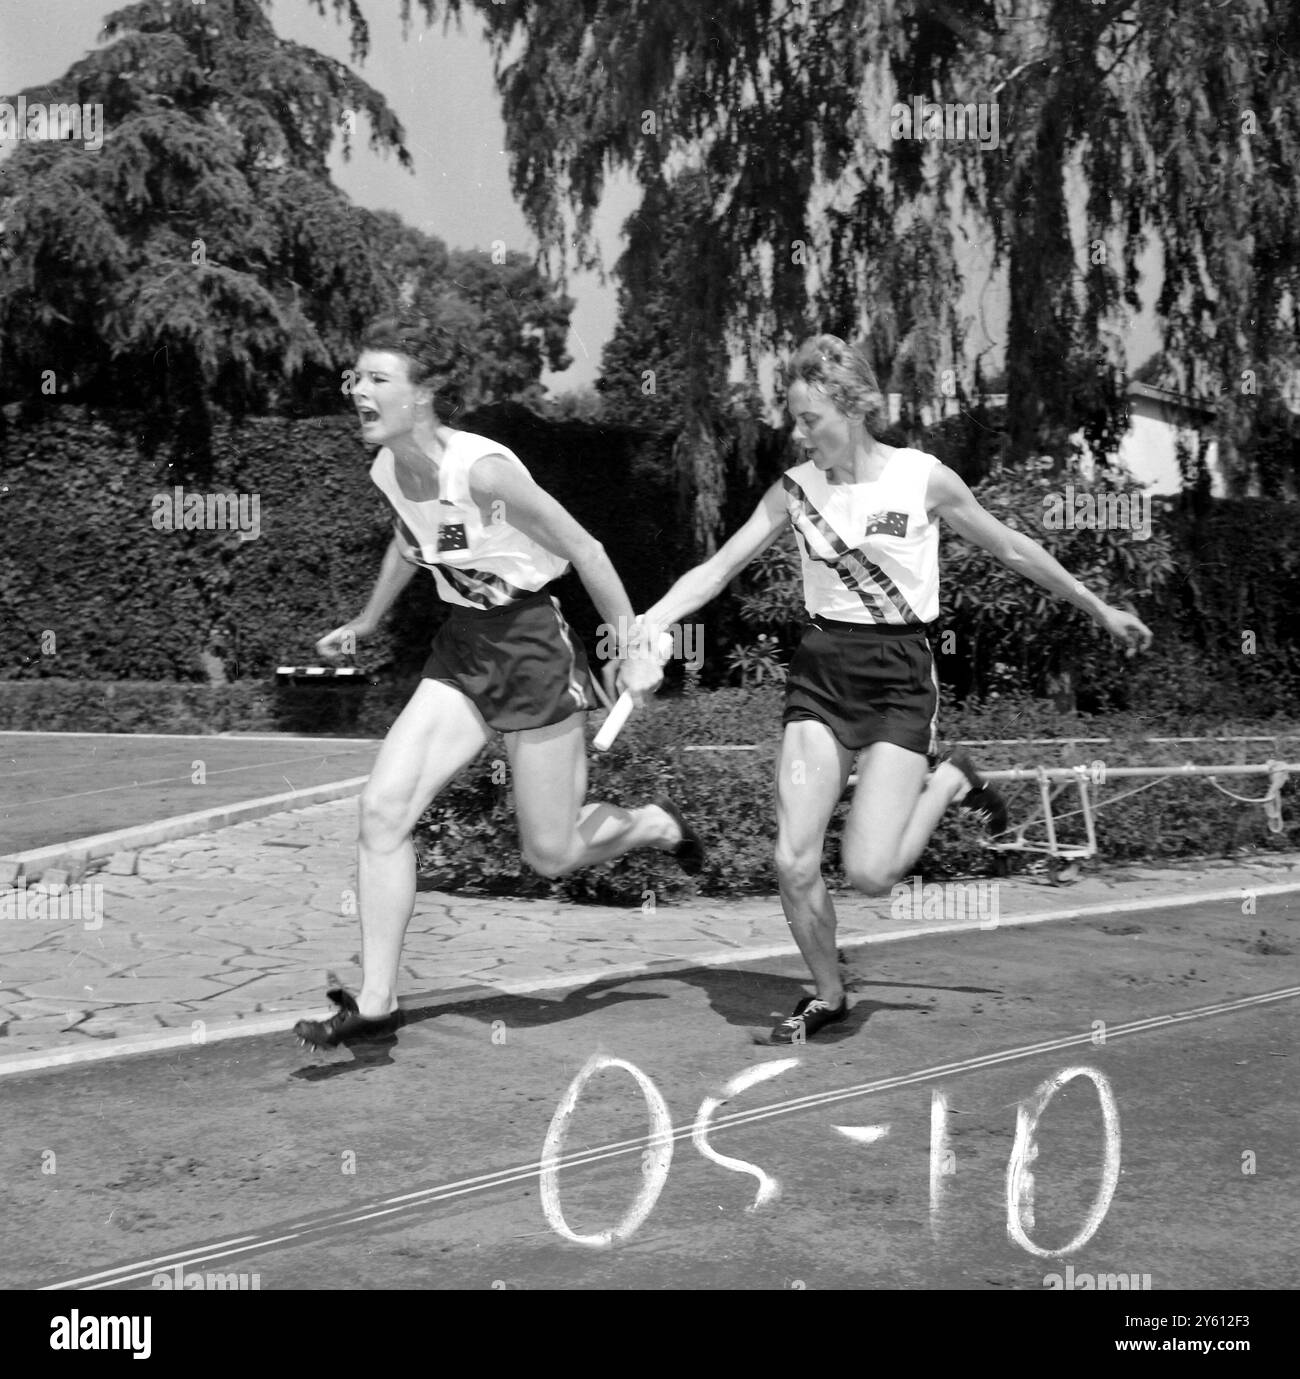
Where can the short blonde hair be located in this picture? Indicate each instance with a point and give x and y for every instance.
(844, 373)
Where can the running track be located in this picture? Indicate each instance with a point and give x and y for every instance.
(417, 1166)
(56, 787)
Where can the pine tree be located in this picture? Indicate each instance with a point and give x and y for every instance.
(200, 255)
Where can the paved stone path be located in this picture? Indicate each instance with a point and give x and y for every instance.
(243, 923)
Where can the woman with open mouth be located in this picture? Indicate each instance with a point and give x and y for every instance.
(505, 660)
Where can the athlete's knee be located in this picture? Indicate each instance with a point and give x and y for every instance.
(382, 819)
(870, 875)
(548, 859)
(797, 868)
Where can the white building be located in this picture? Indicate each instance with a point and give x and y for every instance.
(1158, 419)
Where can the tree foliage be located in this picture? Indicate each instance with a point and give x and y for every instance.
(998, 618)
(202, 255)
(666, 366)
(1119, 121)
(646, 365)
(201, 252)
(500, 321)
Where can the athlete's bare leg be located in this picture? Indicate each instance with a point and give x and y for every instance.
(439, 732)
(558, 831)
(895, 810)
(812, 769)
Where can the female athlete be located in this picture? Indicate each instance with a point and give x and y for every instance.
(505, 659)
(866, 518)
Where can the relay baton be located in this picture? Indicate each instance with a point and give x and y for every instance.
(618, 715)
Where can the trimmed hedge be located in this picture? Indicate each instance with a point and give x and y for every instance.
(93, 589)
(243, 706)
(1236, 603)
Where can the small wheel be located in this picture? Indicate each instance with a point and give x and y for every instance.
(1063, 873)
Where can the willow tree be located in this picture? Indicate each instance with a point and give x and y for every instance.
(666, 368)
(1118, 122)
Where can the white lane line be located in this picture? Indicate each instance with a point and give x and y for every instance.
(144, 1043)
(215, 1032)
(137, 836)
(426, 1197)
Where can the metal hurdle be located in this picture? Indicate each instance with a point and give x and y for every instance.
(1066, 857)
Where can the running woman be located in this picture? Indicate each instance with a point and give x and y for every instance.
(866, 519)
(505, 659)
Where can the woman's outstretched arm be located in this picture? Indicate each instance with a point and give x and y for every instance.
(949, 496)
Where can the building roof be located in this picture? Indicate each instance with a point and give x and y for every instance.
(1170, 398)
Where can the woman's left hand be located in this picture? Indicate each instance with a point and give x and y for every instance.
(1131, 631)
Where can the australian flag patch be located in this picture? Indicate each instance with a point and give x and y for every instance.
(891, 523)
(451, 537)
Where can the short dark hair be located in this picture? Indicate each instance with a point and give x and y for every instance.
(430, 355)
(413, 337)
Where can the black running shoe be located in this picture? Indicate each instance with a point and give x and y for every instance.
(347, 1025)
(982, 799)
(810, 1015)
(690, 851)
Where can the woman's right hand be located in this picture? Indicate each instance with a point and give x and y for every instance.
(640, 676)
(333, 646)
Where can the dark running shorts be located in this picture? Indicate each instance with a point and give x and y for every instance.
(867, 683)
(520, 665)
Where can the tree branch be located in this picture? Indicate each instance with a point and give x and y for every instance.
(977, 38)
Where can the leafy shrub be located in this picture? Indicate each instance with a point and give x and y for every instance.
(759, 663)
(468, 838)
(992, 614)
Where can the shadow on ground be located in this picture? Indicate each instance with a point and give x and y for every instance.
(752, 1001)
